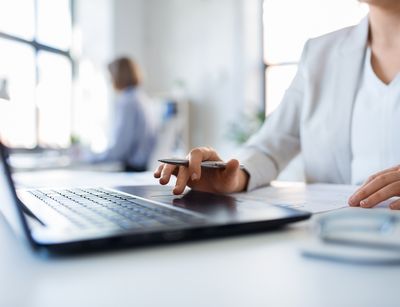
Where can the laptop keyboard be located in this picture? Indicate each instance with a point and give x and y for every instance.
(100, 208)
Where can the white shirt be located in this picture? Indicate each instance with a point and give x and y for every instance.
(375, 127)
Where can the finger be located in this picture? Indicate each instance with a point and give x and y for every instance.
(375, 185)
(181, 181)
(196, 156)
(395, 205)
(385, 193)
(175, 171)
(157, 172)
(371, 178)
(208, 153)
(374, 176)
(231, 168)
(166, 172)
(353, 203)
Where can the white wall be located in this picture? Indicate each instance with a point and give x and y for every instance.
(212, 46)
(129, 29)
(93, 47)
(95, 26)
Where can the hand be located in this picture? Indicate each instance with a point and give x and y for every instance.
(228, 180)
(379, 187)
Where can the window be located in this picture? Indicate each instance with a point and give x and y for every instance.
(36, 72)
(12, 13)
(54, 26)
(53, 92)
(17, 117)
(287, 24)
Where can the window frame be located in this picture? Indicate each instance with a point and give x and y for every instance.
(266, 65)
(38, 47)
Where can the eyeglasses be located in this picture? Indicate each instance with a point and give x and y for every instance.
(369, 229)
(357, 236)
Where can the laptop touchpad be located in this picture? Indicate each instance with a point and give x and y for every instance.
(219, 207)
(202, 202)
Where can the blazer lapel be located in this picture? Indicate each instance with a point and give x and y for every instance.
(350, 61)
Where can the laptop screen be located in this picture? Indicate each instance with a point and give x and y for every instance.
(9, 206)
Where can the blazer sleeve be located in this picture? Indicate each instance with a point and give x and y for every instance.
(268, 152)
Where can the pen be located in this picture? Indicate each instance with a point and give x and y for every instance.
(205, 164)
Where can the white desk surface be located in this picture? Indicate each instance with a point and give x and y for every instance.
(264, 269)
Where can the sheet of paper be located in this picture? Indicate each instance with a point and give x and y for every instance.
(315, 198)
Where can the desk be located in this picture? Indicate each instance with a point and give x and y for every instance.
(264, 269)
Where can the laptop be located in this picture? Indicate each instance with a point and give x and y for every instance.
(83, 219)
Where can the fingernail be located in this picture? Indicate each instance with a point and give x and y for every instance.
(363, 203)
(194, 177)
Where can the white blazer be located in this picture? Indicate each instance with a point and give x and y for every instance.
(315, 114)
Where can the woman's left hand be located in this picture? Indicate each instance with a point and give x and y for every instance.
(379, 187)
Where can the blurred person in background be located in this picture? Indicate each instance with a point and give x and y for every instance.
(341, 112)
(133, 129)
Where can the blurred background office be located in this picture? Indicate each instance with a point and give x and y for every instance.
(213, 68)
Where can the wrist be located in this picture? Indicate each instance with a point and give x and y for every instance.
(243, 181)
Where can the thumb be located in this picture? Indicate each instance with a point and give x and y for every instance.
(232, 166)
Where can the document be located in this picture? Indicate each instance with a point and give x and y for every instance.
(315, 198)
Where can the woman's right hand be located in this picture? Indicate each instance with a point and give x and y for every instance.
(228, 180)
